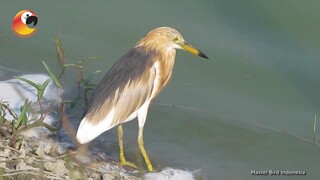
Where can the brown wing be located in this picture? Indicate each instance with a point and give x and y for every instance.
(122, 91)
(126, 101)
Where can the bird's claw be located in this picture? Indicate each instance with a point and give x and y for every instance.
(126, 163)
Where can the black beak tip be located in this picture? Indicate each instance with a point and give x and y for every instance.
(32, 19)
(201, 54)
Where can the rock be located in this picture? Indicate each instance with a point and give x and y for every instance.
(30, 133)
(22, 166)
(95, 176)
(6, 152)
(56, 167)
(106, 167)
(83, 158)
(29, 160)
(2, 158)
(3, 164)
(47, 149)
(49, 166)
(40, 151)
(131, 178)
(22, 153)
(108, 177)
(75, 174)
(60, 168)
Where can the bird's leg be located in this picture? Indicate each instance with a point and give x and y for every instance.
(122, 159)
(143, 150)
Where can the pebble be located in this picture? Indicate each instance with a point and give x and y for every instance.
(21, 165)
(56, 167)
(6, 152)
(3, 164)
(2, 158)
(108, 177)
(47, 149)
(76, 174)
(60, 168)
(95, 176)
(40, 151)
(49, 166)
(22, 153)
(29, 160)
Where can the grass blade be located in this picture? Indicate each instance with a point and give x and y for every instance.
(54, 78)
(29, 82)
(43, 88)
(22, 119)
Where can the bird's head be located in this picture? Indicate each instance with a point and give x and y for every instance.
(24, 23)
(167, 39)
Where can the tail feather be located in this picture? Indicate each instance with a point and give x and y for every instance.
(88, 131)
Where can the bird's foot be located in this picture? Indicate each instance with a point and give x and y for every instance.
(127, 163)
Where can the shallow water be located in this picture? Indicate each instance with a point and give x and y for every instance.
(262, 77)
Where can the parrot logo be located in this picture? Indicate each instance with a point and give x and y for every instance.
(24, 23)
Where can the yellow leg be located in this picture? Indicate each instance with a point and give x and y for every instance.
(122, 159)
(143, 150)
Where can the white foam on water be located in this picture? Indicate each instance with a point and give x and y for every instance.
(169, 174)
(15, 92)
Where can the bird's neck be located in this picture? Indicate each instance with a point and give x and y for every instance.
(163, 64)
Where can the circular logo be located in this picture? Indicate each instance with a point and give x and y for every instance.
(24, 23)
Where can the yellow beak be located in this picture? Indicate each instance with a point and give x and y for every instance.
(187, 47)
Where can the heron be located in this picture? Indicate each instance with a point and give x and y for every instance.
(130, 85)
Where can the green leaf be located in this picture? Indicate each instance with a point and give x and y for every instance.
(43, 88)
(38, 87)
(22, 119)
(54, 78)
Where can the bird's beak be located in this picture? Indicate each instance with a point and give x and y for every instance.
(187, 47)
(32, 19)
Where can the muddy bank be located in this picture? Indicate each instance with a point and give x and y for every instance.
(47, 158)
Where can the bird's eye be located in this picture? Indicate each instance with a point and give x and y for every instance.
(24, 16)
(175, 39)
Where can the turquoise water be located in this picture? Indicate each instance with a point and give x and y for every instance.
(262, 77)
